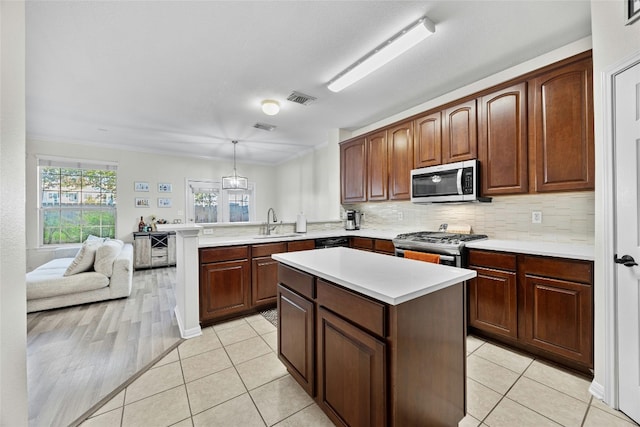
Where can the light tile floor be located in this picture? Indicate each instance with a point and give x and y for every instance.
(231, 376)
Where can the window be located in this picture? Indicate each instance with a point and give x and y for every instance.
(77, 199)
(208, 203)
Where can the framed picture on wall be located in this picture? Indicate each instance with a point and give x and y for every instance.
(632, 11)
(164, 187)
(142, 202)
(164, 202)
(141, 186)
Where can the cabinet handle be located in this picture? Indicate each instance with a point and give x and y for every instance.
(626, 260)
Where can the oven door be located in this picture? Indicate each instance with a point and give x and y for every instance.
(452, 260)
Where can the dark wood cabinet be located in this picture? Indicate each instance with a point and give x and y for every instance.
(377, 185)
(264, 273)
(558, 307)
(383, 246)
(502, 141)
(400, 148)
(427, 142)
(351, 372)
(493, 304)
(301, 245)
(459, 133)
(561, 128)
(362, 243)
(225, 282)
(375, 364)
(539, 304)
(296, 347)
(353, 171)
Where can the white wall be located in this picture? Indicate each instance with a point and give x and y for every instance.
(136, 166)
(612, 42)
(311, 183)
(13, 306)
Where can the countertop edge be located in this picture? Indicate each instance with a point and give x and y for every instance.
(561, 250)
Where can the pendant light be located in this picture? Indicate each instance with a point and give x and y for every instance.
(235, 182)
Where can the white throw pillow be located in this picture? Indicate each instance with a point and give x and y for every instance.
(106, 254)
(84, 258)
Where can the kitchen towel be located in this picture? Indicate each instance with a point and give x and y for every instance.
(422, 256)
(301, 224)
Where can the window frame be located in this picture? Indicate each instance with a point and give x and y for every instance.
(223, 214)
(69, 163)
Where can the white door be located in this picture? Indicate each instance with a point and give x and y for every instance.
(627, 175)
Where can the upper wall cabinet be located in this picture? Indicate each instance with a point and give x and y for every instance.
(459, 134)
(502, 141)
(377, 166)
(353, 171)
(561, 128)
(427, 142)
(400, 140)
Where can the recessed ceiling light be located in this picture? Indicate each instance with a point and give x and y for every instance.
(270, 107)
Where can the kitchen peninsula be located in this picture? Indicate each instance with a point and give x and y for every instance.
(376, 340)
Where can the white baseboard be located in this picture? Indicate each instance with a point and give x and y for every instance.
(597, 390)
(189, 333)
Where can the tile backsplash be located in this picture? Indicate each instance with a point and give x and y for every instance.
(566, 217)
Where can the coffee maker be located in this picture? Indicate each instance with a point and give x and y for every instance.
(353, 220)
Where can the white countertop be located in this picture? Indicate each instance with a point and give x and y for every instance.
(206, 241)
(562, 250)
(385, 278)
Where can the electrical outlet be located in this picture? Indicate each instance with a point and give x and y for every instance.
(207, 231)
(400, 216)
(536, 217)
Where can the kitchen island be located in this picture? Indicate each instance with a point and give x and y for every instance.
(376, 340)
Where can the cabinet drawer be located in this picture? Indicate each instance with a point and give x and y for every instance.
(268, 249)
(227, 253)
(296, 280)
(301, 245)
(567, 269)
(497, 260)
(362, 243)
(159, 260)
(385, 246)
(363, 311)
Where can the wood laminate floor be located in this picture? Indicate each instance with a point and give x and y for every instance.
(80, 357)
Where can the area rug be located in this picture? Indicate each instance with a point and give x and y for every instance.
(271, 316)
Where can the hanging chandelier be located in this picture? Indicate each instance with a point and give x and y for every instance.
(235, 181)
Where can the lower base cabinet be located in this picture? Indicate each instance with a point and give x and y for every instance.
(539, 304)
(375, 364)
(351, 365)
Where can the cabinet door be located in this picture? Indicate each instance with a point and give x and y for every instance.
(502, 141)
(558, 317)
(296, 346)
(142, 252)
(377, 176)
(427, 143)
(459, 133)
(351, 373)
(363, 243)
(224, 288)
(561, 126)
(301, 245)
(353, 171)
(264, 280)
(400, 146)
(493, 303)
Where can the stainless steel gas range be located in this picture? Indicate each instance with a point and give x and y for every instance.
(450, 246)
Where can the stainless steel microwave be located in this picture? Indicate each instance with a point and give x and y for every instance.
(451, 182)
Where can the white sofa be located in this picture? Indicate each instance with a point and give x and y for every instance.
(100, 277)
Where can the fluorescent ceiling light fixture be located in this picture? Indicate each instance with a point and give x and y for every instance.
(270, 107)
(235, 181)
(387, 51)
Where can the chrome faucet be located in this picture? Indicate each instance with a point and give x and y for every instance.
(269, 227)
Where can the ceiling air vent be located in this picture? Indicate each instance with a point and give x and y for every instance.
(301, 98)
(265, 126)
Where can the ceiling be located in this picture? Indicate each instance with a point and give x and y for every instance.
(187, 77)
